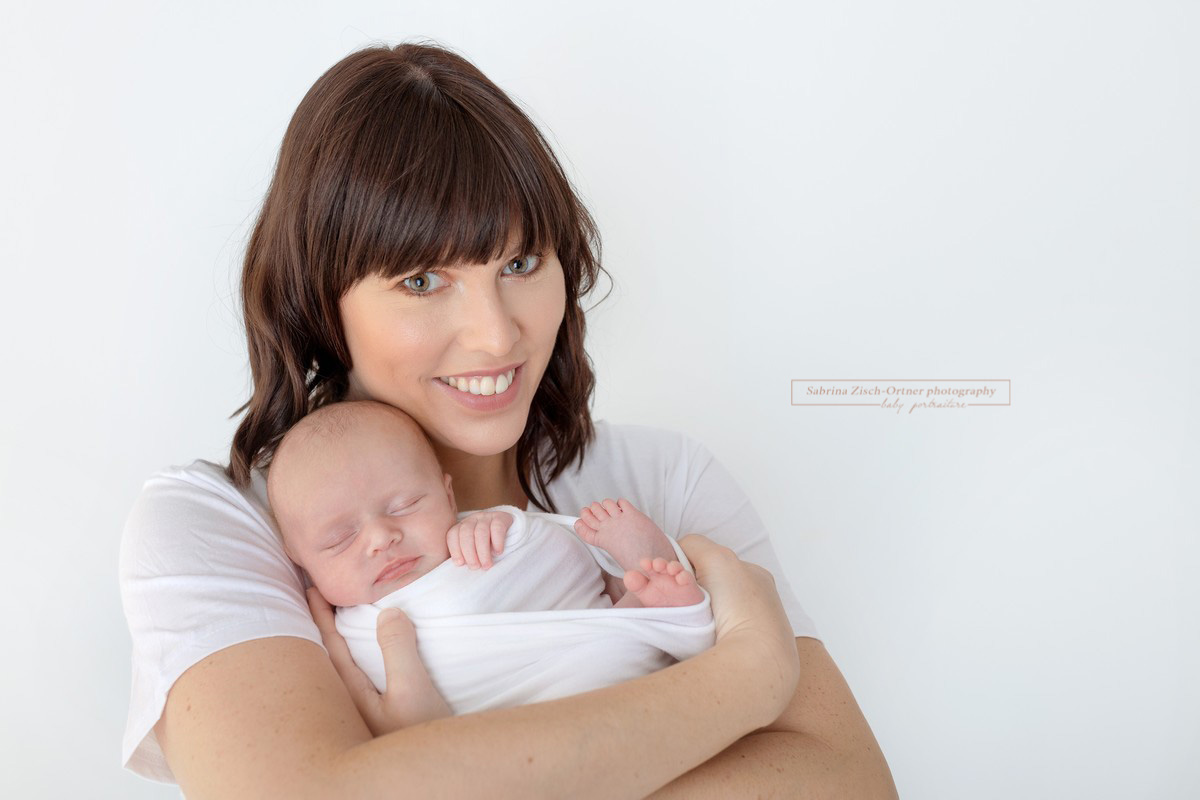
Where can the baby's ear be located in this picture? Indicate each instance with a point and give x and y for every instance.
(450, 494)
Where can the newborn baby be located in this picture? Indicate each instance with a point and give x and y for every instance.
(364, 507)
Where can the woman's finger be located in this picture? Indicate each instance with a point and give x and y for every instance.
(703, 544)
(706, 556)
(746, 608)
(397, 638)
(745, 599)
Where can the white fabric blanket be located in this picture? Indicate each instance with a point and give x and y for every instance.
(536, 626)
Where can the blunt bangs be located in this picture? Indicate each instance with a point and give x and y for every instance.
(433, 181)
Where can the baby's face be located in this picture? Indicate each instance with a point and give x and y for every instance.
(366, 512)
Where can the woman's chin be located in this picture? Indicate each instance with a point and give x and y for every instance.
(485, 437)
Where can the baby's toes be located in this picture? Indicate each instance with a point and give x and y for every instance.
(585, 527)
(635, 581)
(674, 568)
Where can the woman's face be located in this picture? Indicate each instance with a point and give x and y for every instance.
(488, 327)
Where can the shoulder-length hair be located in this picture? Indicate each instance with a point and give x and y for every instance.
(401, 158)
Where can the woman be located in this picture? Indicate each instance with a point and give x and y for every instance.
(419, 231)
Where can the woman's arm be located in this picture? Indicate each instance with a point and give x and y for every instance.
(272, 717)
(821, 746)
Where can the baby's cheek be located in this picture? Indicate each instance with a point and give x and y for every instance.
(341, 588)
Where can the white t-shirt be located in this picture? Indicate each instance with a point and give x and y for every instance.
(202, 566)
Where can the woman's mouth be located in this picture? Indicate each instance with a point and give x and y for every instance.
(485, 385)
(484, 392)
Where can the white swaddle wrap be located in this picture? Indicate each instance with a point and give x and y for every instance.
(536, 626)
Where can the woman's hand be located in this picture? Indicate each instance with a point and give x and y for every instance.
(748, 614)
(410, 697)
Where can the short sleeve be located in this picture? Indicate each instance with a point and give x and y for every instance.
(201, 569)
(678, 483)
(715, 505)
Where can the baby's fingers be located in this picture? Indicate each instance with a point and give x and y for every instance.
(466, 540)
(453, 545)
(483, 543)
(499, 534)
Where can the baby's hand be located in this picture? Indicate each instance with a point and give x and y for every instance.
(475, 537)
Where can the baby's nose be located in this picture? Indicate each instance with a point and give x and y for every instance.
(384, 536)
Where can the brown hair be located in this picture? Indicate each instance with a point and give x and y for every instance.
(398, 159)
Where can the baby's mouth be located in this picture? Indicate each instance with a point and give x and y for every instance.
(397, 568)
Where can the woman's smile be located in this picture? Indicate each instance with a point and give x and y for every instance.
(483, 392)
(494, 381)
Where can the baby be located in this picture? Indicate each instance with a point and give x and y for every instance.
(364, 507)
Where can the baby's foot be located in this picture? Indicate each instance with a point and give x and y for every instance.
(624, 532)
(660, 583)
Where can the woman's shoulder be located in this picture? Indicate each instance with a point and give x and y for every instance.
(205, 478)
(652, 467)
(193, 509)
(201, 568)
(640, 444)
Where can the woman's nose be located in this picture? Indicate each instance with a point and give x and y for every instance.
(487, 324)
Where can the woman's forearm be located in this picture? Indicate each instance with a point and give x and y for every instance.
(271, 718)
(590, 745)
(772, 764)
(781, 764)
(820, 746)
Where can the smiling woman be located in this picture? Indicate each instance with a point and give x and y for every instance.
(397, 177)
(476, 324)
(420, 246)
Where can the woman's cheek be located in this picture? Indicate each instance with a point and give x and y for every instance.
(549, 304)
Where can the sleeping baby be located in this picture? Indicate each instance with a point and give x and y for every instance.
(508, 606)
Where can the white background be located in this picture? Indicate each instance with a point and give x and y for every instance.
(850, 190)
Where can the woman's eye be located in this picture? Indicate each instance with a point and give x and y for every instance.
(421, 283)
(523, 266)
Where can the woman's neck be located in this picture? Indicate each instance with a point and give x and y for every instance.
(483, 481)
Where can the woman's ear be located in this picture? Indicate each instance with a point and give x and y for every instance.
(450, 494)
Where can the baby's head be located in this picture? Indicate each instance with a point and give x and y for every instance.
(361, 500)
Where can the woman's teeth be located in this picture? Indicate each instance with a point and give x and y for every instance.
(482, 385)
